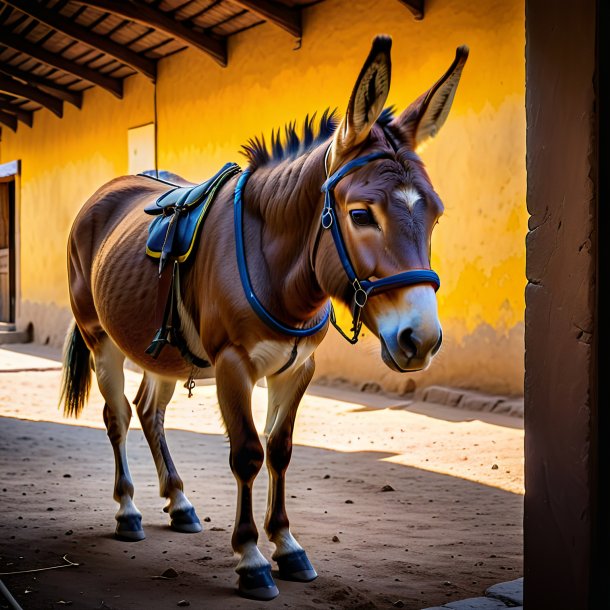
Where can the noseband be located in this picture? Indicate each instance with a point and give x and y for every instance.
(363, 289)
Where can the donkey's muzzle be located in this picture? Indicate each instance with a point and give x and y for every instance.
(409, 330)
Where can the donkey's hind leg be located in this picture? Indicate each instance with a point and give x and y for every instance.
(285, 393)
(117, 415)
(152, 399)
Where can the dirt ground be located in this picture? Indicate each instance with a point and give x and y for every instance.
(451, 527)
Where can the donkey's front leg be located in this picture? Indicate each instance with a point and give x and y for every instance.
(285, 393)
(234, 382)
(151, 401)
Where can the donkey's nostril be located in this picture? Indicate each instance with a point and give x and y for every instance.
(407, 342)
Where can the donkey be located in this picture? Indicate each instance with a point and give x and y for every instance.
(346, 212)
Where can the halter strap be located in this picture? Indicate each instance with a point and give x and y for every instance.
(362, 288)
(246, 283)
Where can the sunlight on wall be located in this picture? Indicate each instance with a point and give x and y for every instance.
(63, 161)
(205, 113)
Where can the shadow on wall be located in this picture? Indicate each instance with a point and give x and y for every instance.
(54, 321)
(488, 359)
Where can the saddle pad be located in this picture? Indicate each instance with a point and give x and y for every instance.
(179, 217)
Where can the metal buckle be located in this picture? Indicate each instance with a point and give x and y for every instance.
(327, 218)
(360, 295)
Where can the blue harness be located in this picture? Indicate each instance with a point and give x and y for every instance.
(362, 288)
(173, 234)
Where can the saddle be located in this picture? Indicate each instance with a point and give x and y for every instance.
(173, 234)
(180, 214)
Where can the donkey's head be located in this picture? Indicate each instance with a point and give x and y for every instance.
(384, 210)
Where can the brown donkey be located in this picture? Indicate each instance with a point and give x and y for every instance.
(346, 213)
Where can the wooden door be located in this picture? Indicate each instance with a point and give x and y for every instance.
(7, 229)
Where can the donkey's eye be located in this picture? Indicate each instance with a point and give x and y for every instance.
(362, 217)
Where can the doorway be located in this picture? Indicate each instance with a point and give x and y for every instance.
(7, 250)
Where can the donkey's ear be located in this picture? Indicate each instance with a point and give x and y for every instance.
(426, 115)
(368, 97)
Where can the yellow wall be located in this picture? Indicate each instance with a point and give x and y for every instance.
(63, 161)
(477, 162)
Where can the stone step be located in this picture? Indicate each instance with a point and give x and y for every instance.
(15, 336)
(472, 401)
(5, 326)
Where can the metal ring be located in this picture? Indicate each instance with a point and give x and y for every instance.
(327, 214)
(360, 297)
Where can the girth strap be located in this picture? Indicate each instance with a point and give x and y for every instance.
(169, 332)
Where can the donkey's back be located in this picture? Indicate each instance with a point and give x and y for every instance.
(114, 286)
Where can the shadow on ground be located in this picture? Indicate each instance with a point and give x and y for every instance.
(432, 540)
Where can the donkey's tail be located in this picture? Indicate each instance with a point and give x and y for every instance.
(76, 380)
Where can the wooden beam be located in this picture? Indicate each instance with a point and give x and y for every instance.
(74, 97)
(286, 17)
(144, 13)
(10, 120)
(38, 52)
(416, 7)
(25, 116)
(59, 23)
(15, 88)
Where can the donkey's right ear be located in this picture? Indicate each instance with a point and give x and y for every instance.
(367, 100)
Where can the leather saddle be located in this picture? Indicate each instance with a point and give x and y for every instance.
(180, 214)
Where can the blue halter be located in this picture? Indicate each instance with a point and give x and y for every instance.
(258, 307)
(362, 288)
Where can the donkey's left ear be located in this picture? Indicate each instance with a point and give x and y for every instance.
(367, 99)
(426, 115)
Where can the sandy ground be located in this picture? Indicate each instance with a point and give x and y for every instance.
(451, 527)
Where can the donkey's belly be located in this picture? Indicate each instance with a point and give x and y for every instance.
(125, 291)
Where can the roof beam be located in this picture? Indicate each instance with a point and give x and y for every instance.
(25, 116)
(10, 120)
(114, 86)
(74, 97)
(15, 88)
(416, 7)
(286, 17)
(144, 13)
(59, 23)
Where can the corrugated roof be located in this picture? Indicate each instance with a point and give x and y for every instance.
(51, 50)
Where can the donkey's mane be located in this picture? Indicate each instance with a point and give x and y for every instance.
(291, 144)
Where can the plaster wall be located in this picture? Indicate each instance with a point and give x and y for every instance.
(205, 113)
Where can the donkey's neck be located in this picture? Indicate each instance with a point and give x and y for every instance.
(284, 205)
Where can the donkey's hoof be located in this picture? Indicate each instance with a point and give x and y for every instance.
(129, 529)
(257, 583)
(296, 566)
(185, 521)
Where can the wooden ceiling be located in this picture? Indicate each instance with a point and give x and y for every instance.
(52, 50)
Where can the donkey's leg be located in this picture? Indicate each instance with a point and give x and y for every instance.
(285, 393)
(117, 415)
(234, 382)
(152, 399)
